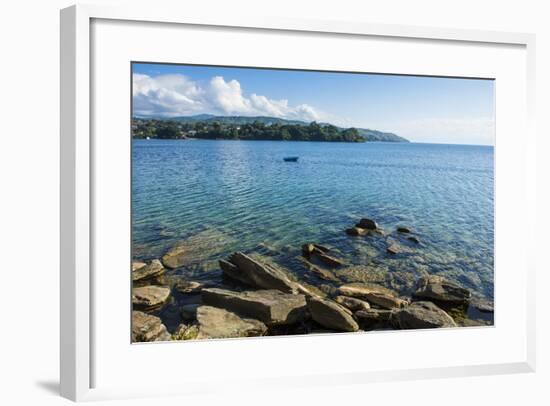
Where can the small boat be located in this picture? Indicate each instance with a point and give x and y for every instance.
(291, 159)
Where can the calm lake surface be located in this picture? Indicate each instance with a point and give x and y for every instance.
(224, 196)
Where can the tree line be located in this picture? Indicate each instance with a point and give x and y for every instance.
(171, 129)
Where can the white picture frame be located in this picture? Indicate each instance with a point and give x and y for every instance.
(77, 281)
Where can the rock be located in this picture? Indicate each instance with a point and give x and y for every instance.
(137, 265)
(175, 257)
(320, 247)
(352, 303)
(220, 323)
(149, 297)
(356, 231)
(149, 271)
(148, 328)
(373, 294)
(482, 305)
(185, 332)
(189, 311)
(373, 315)
(331, 315)
(437, 288)
(367, 223)
(404, 230)
(309, 248)
(328, 260)
(323, 273)
(309, 291)
(251, 272)
(234, 273)
(421, 315)
(320, 252)
(188, 287)
(272, 307)
(414, 239)
(393, 249)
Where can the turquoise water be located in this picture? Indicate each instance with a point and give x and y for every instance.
(223, 196)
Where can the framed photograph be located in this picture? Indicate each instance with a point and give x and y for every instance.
(291, 202)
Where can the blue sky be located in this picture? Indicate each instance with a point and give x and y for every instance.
(422, 109)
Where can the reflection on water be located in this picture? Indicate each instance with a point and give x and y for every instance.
(224, 196)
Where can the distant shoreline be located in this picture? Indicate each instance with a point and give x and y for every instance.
(253, 128)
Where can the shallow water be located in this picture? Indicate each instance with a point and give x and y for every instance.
(240, 195)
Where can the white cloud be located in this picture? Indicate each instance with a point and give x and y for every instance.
(178, 95)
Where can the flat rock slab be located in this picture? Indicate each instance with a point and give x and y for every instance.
(437, 288)
(352, 303)
(272, 307)
(188, 287)
(137, 265)
(373, 294)
(148, 271)
(331, 315)
(220, 323)
(148, 328)
(421, 315)
(251, 272)
(149, 297)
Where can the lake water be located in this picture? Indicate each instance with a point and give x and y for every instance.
(224, 196)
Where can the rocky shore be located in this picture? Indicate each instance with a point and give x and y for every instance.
(257, 297)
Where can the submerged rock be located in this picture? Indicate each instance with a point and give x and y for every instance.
(404, 230)
(352, 303)
(331, 315)
(197, 248)
(149, 297)
(437, 288)
(321, 273)
(373, 294)
(393, 249)
(421, 315)
(220, 323)
(309, 248)
(320, 252)
(148, 328)
(414, 239)
(251, 272)
(367, 223)
(148, 271)
(175, 257)
(269, 306)
(356, 231)
(329, 260)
